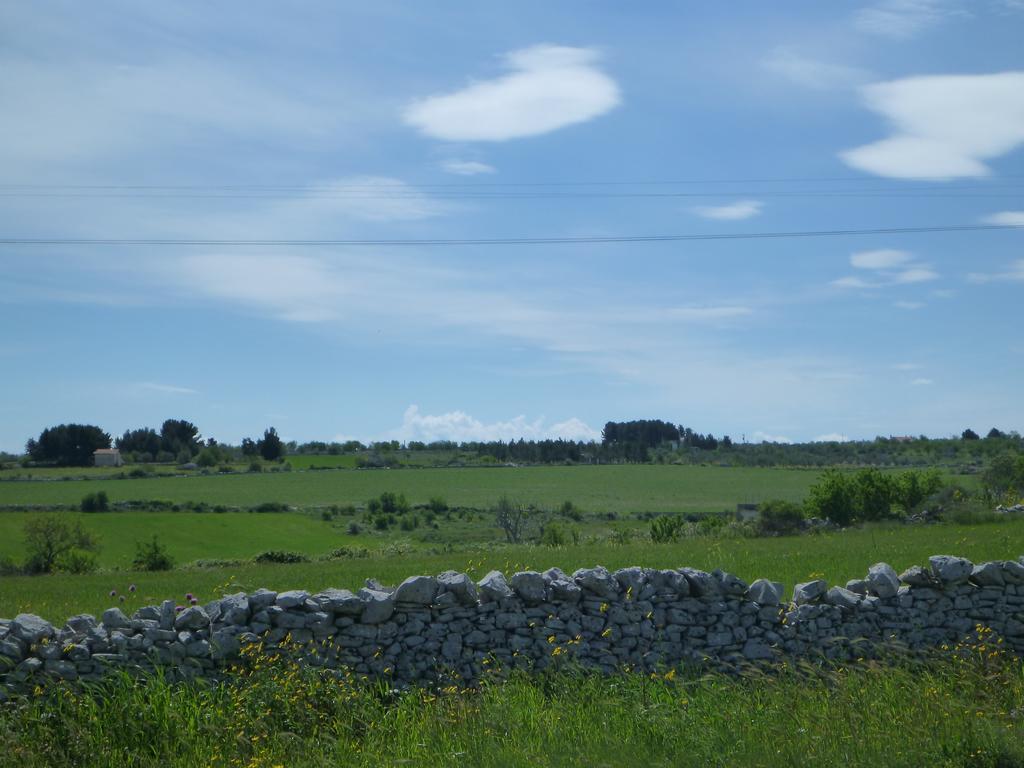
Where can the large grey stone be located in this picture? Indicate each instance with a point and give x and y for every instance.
(494, 587)
(261, 599)
(632, 580)
(756, 650)
(234, 609)
(765, 592)
(809, 591)
(530, 586)
(341, 601)
(988, 575)
(950, 569)
(916, 576)
(562, 587)
(417, 590)
(192, 618)
(460, 585)
(669, 582)
(81, 623)
(292, 598)
(377, 606)
(702, 583)
(729, 584)
(883, 580)
(1013, 572)
(844, 598)
(31, 628)
(597, 581)
(114, 618)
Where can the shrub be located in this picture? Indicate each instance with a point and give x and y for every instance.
(48, 538)
(437, 504)
(76, 561)
(553, 535)
(95, 502)
(373, 506)
(8, 567)
(138, 472)
(380, 522)
(354, 529)
(780, 518)
(832, 498)
(271, 506)
(255, 466)
(344, 553)
(666, 529)
(151, 556)
(392, 504)
(570, 510)
(280, 556)
(911, 488)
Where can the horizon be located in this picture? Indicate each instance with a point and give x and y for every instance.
(796, 224)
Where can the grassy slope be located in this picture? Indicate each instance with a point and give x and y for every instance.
(617, 488)
(835, 557)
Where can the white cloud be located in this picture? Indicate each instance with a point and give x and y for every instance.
(832, 437)
(921, 382)
(169, 389)
(549, 87)
(907, 366)
(811, 73)
(1006, 218)
(460, 426)
(741, 209)
(943, 126)
(908, 304)
(764, 437)
(904, 19)
(880, 259)
(466, 167)
(852, 282)
(919, 274)
(1014, 274)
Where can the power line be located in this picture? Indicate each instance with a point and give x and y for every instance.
(507, 240)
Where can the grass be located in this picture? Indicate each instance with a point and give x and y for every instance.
(835, 557)
(606, 488)
(956, 712)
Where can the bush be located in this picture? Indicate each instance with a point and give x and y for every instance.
(76, 561)
(780, 518)
(271, 506)
(151, 556)
(553, 535)
(392, 504)
(666, 529)
(570, 510)
(255, 466)
(345, 553)
(48, 539)
(95, 502)
(354, 529)
(281, 556)
(138, 472)
(8, 567)
(437, 504)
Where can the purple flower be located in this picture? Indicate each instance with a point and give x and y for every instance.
(189, 596)
(121, 598)
(113, 593)
(179, 608)
(131, 588)
(193, 601)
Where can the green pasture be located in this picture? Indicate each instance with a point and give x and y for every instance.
(606, 488)
(836, 557)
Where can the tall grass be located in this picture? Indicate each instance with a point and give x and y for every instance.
(963, 710)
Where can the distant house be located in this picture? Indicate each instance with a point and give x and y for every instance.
(107, 457)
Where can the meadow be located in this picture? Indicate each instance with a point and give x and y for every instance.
(606, 488)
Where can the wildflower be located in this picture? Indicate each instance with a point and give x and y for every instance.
(193, 601)
(131, 587)
(189, 596)
(113, 593)
(121, 598)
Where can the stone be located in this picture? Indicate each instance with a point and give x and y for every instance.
(597, 581)
(729, 584)
(193, 617)
(342, 601)
(757, 650)
(858, 586)
(81, 623)
(417, 590)
(950, 569)
(988, 575)
(916, 576)
(844, 598)
(494, 587)
(809, 591)
(530, 586)
(65, 670)
(458, 584)
(234, 609)
(377, 606)
(31, 628)
(114, 618)
(701, 583)
(883, 580)
(765, 592)
(1013, 572)
(261, 599)
(631, 580)
(669, 582)
(562, 587)
(292, 598)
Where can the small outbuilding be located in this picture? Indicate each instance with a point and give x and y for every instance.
(107, 457)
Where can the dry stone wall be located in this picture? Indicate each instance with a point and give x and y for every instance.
(439, 628)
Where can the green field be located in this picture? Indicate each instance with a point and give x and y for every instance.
(836, 557)
(607, 488)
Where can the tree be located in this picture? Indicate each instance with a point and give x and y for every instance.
(873, 494)
(49, 540)
(914, 486)
(969, 434)
(270, 447)
(68, 445)
(140, 441)
(249, 447)
(1004, 475)
(832, 497)
(511, 518)
(995, 433)
(177, 435)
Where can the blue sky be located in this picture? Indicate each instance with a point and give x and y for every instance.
(463, 120)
